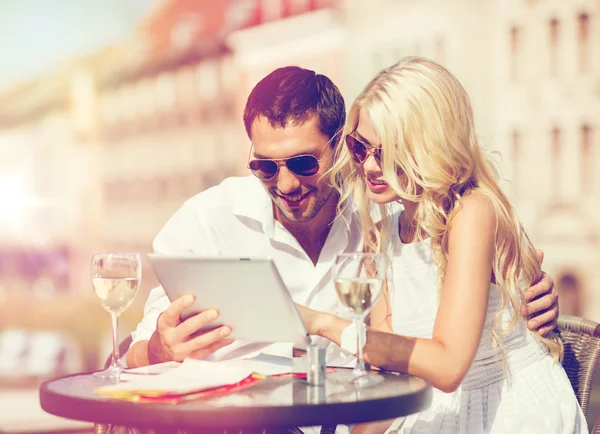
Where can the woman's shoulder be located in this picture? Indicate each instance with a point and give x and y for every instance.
(476, 204)
(475, 211)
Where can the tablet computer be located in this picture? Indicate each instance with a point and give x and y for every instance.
(249, 294)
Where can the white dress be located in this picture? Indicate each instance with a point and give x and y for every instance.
(534, 397)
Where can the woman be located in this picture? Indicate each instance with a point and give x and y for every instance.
(451, 313)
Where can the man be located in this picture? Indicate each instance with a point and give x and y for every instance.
(287, 212)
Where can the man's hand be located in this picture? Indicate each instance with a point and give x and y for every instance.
(176, 340)
(541, 303)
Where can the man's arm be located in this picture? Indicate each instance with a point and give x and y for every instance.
(161, 336)
(541, 303)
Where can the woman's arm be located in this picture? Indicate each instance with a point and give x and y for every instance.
(330, 326)
(445, 359)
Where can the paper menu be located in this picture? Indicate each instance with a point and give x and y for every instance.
(190, 376)
(259, 367)
(159, 368)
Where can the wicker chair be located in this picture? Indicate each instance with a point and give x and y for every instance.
(581, 338)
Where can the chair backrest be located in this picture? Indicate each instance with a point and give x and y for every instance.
(51, 353)
(581, 338)
(14, 347)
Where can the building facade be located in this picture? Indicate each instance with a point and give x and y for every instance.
(107, 147)
(531, 68)
(548, 108)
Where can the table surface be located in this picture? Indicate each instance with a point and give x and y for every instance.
(269, 403)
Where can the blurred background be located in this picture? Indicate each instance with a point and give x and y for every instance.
(114, 112)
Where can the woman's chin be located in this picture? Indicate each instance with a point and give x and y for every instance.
(382, 198)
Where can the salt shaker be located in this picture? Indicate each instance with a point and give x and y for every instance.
(310, 359)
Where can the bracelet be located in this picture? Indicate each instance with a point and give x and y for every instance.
(348, 340)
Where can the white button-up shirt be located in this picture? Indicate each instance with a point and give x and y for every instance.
(235, 219)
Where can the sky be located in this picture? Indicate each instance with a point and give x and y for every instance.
(36, 35)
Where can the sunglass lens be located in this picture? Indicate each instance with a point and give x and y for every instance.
(263, 169)
(304, 165)
(357, 149)
(377, 155)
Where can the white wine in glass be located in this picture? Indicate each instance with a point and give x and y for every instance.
(358, 279)
(359, 295)
(115, 279)
(115, 293)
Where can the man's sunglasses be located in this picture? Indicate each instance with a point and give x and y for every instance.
(301, 165)
(360, 151)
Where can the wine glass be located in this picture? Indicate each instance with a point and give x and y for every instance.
(115, 278)
(358, 279)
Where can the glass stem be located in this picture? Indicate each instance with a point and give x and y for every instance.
(115, 339)
(359, 370)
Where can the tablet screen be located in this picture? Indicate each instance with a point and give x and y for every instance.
(249, 294)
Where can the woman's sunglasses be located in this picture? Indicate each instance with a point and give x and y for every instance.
(301, 165)
(360, 151)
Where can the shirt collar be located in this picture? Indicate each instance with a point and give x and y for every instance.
(254, 203)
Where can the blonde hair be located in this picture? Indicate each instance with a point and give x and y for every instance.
(431, 155)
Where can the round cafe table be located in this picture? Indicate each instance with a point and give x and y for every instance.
(272, 402)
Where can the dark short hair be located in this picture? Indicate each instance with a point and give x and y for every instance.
(294, 94)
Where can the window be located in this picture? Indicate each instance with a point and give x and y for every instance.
(211, 178)
(184, 83)
(128, 102)
(155, 187)
(319, 4)
(587, 159)
(207, 80)
(165, 92)
(417, 49)
(555, 152)
(439, 50)
(162, 187)
(83, 102)
(569, 287)
(515, 153)
(515, 49)
(271, 10)
(117, 106)
(583, 41)
(192, 182)
(398, 51)
(298, 6)
(243, 13)
(554, 41)
(145, 97)
(183, 31)
(107, 102)
(377, 57)
(229, 74)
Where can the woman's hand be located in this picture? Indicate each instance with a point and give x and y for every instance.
(541, 303)
(314, 320)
